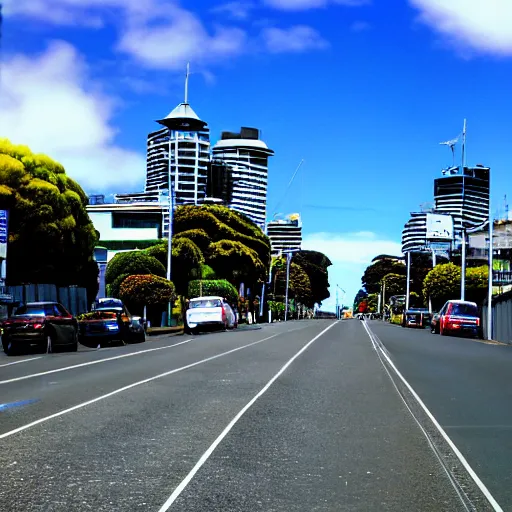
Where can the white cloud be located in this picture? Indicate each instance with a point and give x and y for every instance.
(292, 40)
(50, 103)
(236, 10)
(178, 37)
(350, 254)
(302, 5)
(480, 25)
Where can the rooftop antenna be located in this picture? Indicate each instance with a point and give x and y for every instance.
(451, 144)
(187, 75)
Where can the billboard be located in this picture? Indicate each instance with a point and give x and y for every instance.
(439, 227)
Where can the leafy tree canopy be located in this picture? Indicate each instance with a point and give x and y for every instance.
(209, 287)
(395, 285)
(299, 284)
(137, 291)
(360, 295)
(221, 223)
(441, 284)
(51, 238)
(374, 273)
(236, 262)
(315, 264)
(132, 263)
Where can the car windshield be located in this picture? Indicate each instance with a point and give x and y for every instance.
(35, 310)
(465, 310)
(108, 304)
(209, 303)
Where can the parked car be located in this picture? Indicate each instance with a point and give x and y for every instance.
(108, 323)
(46, 325)
(416, 317)
(457, 317)
(208, 312)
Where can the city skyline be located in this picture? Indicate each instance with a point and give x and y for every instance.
(363, 93)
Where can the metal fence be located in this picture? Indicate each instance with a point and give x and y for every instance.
(501, 318)
(73, 298)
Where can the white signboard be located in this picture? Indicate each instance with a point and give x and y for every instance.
(439, 227)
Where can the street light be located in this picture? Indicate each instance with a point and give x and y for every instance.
(338, 315)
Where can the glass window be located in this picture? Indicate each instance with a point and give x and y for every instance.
(211, 303)
(464, 310)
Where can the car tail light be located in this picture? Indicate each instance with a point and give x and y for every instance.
(478, 322)
(223, 312)
(37, 326)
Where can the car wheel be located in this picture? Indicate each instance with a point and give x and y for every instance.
(74, 346)
(9, 348)
(49, 344)
(142, 337)
(442, 332)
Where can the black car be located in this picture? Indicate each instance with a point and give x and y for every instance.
(416, 317)
(110, 323)
(47, 326)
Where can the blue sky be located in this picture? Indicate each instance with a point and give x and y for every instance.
(363, 91)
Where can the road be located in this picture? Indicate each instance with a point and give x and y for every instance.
(301, 416)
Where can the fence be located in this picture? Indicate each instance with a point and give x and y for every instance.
(501, 318)
(73, 298)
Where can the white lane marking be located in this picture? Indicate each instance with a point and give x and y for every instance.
(22, 361)
(206, 455)
(130, 386)
(494, 504)
(89, 363)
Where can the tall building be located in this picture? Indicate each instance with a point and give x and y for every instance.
(285, 234)
(427, 229)
(248, 157)
(219, 185)
(463, 195)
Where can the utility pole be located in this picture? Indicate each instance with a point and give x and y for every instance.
(491, 261)
(288, 262)
(170, 217)
(408, 284)
(463, 267)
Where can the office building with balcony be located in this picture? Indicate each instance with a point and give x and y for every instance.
(414, 234)
(463, 194)
(285, 234)
(247, 156)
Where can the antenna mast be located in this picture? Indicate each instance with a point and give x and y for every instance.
(464, 146)
(186, 83)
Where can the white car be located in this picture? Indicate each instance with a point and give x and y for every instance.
(206, 312)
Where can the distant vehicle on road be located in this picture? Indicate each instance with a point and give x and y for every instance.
(109, 323)
(46, 325)
(416, 317)
(457, 317)
(210, 312)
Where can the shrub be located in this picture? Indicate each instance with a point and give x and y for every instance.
(137, 291)
(219, 287)
(133, 262)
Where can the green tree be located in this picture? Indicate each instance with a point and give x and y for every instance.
(236, 262)
(441, 284)
(395, 285)
(360, 295)
(51, 238)
(221, 223)
(213, 287)
(199, 236)
(186, 263)
(374, 273)
(132, 263)
(373, 302)
(299, 284)
(155, 292)
(315, 264)
(477, 279)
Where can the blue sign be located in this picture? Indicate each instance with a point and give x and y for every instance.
(4, 234)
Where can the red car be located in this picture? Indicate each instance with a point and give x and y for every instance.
(46, 325)
(457, 317)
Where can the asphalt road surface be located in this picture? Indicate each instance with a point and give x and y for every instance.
(304, 416)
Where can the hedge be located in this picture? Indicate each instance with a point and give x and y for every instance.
(210, 287)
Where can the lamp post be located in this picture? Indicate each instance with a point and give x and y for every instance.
(338, 311)
(408, 284)
(489, 289)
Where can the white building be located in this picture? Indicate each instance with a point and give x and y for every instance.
(248, 157)
(127, 226)
(285, 234)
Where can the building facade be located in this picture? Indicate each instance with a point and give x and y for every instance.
(285, 234)
(463, 195)
(247, 156)
(181, 152)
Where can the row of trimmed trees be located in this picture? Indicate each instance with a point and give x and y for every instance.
(438, 284)
(214, 249)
